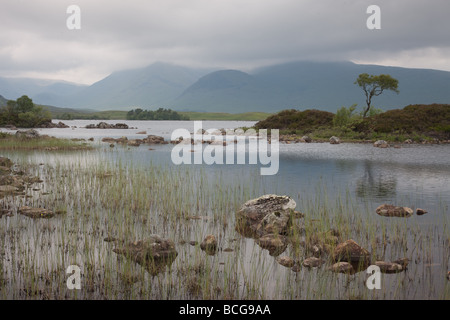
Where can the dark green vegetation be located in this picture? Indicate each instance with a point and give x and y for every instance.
(416, 122)
(72, 114)
(23, 113)
(160, 114)
(374, 86)
(300, 85)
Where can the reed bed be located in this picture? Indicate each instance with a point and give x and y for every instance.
(101, 196)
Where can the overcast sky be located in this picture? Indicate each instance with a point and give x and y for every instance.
(240, 34)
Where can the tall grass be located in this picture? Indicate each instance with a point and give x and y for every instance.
(129, 201)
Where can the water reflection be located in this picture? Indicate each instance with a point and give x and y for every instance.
(375, 183)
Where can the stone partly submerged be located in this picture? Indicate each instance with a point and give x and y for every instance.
(35, 213)
(335, 140)
(389, 267)
(267, 219)
(104, 125)
(209, 245)
(381, 144)
(153, 253)
(266, 214)
(342, 267)
(351, 252)
(388, 210)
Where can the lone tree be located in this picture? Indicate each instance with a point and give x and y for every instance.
(374, 86)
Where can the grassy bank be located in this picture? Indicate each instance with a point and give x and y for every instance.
(47, 143)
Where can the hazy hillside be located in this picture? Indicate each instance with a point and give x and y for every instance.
(154, 86)
(300, 85)
(306, 85)
(40, 90)
(3, 101)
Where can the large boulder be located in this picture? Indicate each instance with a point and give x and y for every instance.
(154, 253)
(388, 210)
(264, 215)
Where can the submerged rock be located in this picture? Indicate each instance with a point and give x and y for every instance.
(35, 212)
(420, 212)
(153, 253)
(389, 267)
(388, 210)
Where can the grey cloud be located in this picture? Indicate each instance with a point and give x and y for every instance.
(123, 34)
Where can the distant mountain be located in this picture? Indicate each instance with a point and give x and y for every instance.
(305, 85)
(151, 87)
(301, 85)
(40, 90)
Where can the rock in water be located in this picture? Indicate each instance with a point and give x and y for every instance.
(209, 244)
(342, 267)
(251, 219)
(420, 212)
(275, 243)
(388, 210)
(306, 139)
(312, 262)
(350, 251)
(154, 253)
(380, 144)
(35, 212)
(389, 267)
(286, 261)
(335, 140)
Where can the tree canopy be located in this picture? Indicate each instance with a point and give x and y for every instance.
(23, 113)
(374, 86)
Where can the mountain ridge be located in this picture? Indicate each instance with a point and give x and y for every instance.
(299, 84)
